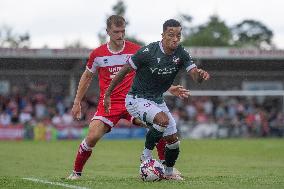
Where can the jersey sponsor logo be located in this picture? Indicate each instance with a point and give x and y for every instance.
(163, 71)
(113, 71)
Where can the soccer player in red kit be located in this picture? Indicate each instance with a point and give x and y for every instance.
(107, 60)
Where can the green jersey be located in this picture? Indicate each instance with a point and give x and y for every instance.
(156, 71)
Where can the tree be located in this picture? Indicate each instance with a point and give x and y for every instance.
(214, 33)
(102, 36)
(186, 21)
(252, 33)
(119, 9)
(8, 39)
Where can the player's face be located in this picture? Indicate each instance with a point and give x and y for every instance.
(116, 34)
(171, 38)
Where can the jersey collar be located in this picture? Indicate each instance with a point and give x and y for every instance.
(161, 47)
(117, 51)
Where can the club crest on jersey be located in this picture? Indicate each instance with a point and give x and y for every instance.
(105, 61)
(176, 60)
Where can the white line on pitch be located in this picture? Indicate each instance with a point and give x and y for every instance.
(54, 183)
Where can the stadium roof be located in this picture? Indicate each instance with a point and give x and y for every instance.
(197, 53)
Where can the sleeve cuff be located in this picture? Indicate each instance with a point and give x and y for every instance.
(90, 70)
(190, 67)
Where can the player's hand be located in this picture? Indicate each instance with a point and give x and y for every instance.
(179, 91)
(203, 74)
(76, 110)
(107, 103)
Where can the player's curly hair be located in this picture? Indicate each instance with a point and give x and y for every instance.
(115, 20)
(171, 23)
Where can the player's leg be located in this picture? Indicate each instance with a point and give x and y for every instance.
(172, 149)
(161, 150)
(155, 133)
(97, 129)
(160, 146)
(147, 111)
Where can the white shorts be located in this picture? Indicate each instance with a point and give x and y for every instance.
(146, 110)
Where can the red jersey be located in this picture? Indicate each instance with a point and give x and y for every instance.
(108, 64)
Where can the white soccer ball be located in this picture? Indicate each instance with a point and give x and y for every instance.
(151, 170)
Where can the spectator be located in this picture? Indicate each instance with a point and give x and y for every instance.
(5, 118)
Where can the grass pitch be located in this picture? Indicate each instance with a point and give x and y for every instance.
(238, 163)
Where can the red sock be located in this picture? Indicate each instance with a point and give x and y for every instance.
(161, 149)
(83, 154)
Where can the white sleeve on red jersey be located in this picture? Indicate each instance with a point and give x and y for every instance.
(92, 64)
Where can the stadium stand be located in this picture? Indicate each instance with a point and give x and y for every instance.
(244, 98)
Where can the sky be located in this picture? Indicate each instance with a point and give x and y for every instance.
(58, 22)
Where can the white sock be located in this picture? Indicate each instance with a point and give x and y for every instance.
(147, 153)
(168, 170)
(159, 128)
(85, 146)
(162, 161)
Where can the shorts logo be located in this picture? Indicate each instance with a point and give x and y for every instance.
(147, 105)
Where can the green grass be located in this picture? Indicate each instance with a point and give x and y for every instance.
(241, 163)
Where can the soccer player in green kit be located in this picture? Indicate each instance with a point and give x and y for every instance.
(156, 66)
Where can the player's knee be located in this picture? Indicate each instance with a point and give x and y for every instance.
(97, 129)
(162, 119)
(164, 122)
(91, 140)
(172, 139)
(174, 145)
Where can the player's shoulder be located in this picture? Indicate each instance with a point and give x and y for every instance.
(100, 51)
(151, 47)
(154, 45)
(131, 47)
(184, 54)
(132, 44)
(181, 49)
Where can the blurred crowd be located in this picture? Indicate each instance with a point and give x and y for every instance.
(196, 117)
(228, 116)
(15, 109)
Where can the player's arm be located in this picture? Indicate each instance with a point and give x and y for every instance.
(115, 81)
(199, 75)
(83, 86)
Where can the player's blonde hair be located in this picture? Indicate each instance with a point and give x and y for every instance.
(115, 20)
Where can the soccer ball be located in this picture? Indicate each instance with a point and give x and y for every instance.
(151, 170)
